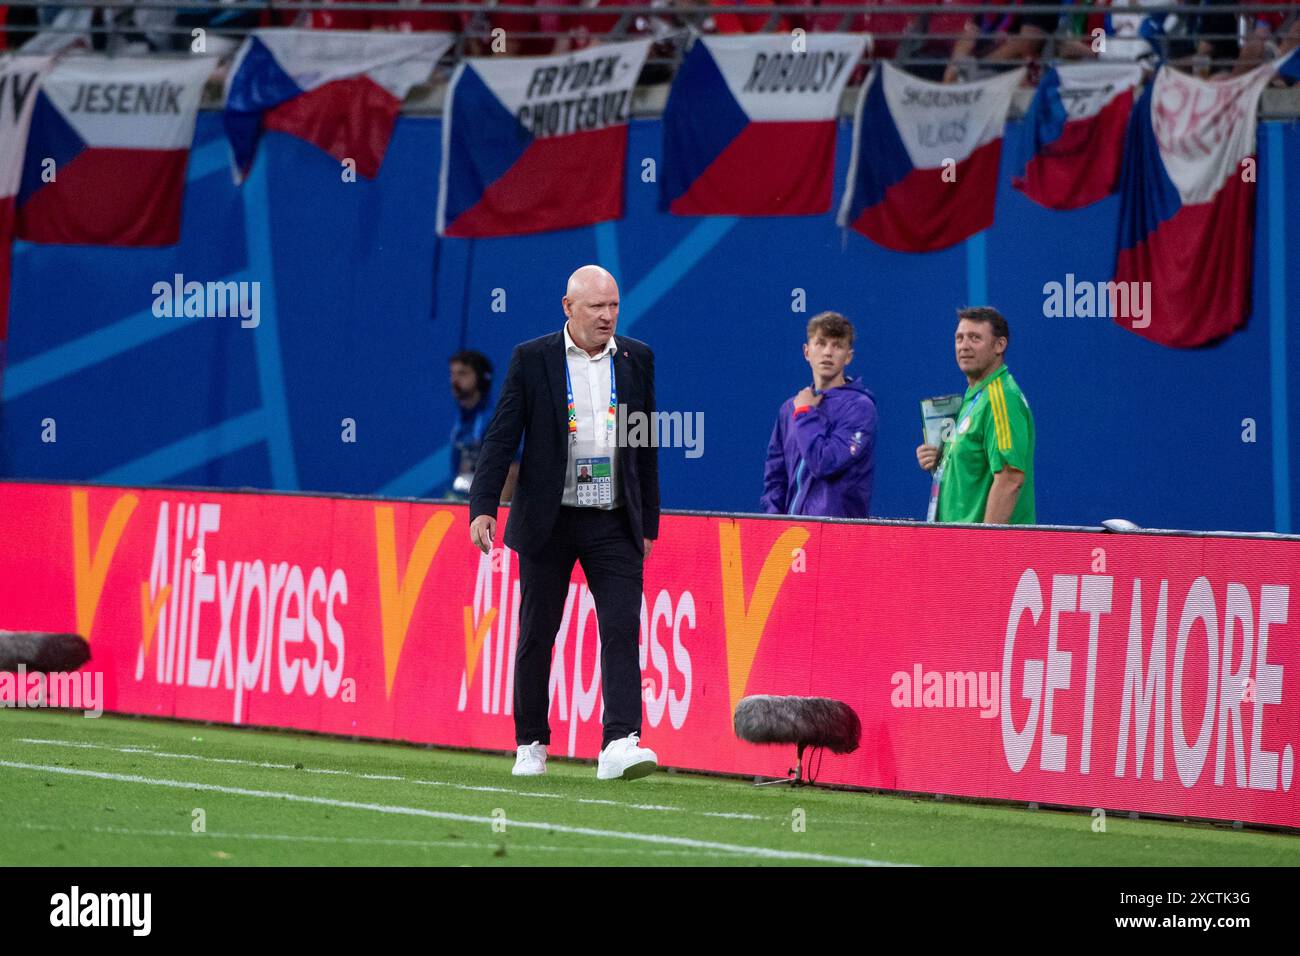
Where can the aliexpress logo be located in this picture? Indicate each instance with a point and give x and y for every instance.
(245, 623)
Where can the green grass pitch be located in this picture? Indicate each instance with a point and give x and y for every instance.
(122, 791)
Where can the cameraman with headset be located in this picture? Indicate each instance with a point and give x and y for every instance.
(471, 386)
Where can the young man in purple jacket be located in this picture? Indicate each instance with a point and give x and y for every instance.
(821, 460)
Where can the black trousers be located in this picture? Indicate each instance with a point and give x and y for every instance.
(612, 562)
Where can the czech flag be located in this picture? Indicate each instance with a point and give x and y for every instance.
(340, 90)
(19, 82)
(106, 155)
(924, 170)
(749, 127)
(1187, 206)
(1071, 143)
(535, 143)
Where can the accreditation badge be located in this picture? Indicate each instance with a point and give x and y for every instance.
(593, 479)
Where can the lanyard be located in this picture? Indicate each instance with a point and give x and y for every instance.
(573, 412)
(975, 400)
(970, 410)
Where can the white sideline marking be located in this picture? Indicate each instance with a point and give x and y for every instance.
(654, 838)
(373, 776)
(630, 806)
(427, 783)
(158, 753)
(381, 841)
(486, 789)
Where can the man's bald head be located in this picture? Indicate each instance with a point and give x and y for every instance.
(586, 278)
(591, 307)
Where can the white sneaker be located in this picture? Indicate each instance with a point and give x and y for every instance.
(530, 760)
(626, 759)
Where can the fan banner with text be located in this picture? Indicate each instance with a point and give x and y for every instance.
(536, 143)
(1148, 672)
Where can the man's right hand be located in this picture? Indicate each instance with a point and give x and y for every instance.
(927, 456)
(482, 530)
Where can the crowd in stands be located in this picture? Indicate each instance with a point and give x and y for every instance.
(1212, 37)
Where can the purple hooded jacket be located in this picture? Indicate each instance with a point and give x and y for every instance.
(823, 463)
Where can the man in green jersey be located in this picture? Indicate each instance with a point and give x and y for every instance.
(986, 466)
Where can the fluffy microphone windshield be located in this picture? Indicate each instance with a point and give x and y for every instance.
(806, 721)
(42, 652)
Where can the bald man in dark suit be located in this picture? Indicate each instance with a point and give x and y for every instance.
(579, 497)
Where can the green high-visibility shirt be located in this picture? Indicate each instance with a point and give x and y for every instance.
(994, 429)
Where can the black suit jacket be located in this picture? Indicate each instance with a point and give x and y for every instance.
(533, 404)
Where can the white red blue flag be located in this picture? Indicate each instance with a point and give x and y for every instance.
(532, 144)
(1071, 142)
(750, 124)
(340, 90)
(19, 82)
(106, 154)
(924, 170)
(1187, 204)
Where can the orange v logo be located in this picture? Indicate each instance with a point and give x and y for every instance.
(474, 638)
(745, 623)
(149, 611)
(397, 601)
(88, 575)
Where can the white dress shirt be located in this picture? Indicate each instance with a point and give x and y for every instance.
(591, 380)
